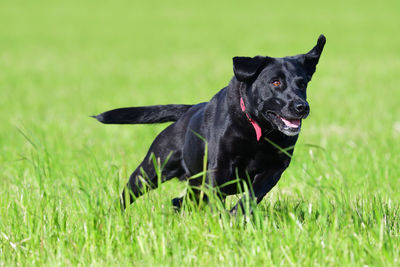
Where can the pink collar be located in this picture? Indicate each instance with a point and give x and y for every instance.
(256, 127)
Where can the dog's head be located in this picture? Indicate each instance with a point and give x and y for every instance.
(275, 88)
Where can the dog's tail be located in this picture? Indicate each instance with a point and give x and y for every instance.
(143, 115)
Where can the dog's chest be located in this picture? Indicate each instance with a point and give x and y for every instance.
(256, 160)
(249, 164)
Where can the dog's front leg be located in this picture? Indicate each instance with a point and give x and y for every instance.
(218, 174)
(261, 185)
(219, 170)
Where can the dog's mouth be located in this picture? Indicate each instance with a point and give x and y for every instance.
(288, 126)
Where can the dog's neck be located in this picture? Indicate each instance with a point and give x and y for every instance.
(245, 118)
(255, 125)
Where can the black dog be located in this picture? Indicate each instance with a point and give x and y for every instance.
(250, 126)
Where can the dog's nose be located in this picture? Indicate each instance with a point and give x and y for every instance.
(301, 108)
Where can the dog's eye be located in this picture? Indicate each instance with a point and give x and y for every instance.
(276, 83)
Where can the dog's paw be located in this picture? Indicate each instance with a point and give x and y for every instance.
(177, 203)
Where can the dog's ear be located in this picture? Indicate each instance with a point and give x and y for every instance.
(246, 68)
(310, 60)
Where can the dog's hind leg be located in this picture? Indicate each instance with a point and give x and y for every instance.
(167, 153)
(145, 178)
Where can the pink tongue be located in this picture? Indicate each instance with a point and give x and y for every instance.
(291, 123)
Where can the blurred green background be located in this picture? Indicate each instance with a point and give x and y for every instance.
(61, 61)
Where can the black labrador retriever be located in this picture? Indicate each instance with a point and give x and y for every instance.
(250, 127)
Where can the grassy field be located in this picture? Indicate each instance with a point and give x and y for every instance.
(60, 171)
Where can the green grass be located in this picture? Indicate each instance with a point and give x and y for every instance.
(60, 171)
